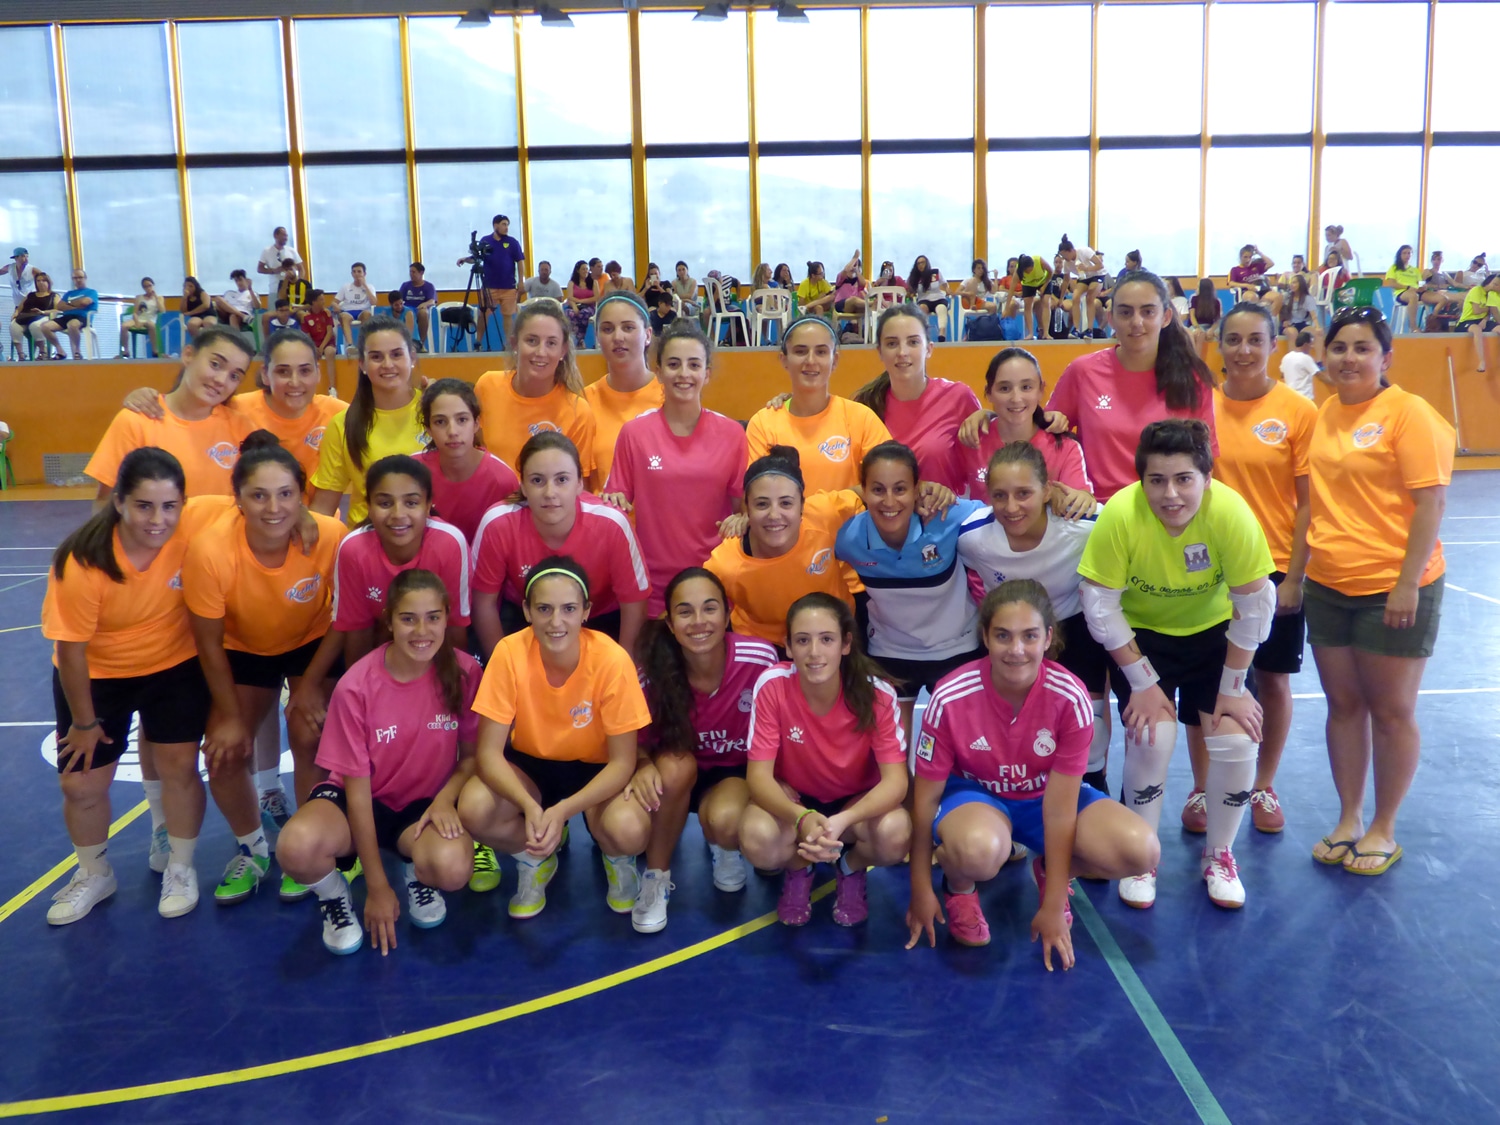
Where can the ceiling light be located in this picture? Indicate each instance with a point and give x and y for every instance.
(713, 13)
(551, 17)
(476, 17)
(787, 12)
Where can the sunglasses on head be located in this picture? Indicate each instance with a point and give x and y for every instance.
(1365, 314)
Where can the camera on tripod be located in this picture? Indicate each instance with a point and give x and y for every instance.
(478, 250)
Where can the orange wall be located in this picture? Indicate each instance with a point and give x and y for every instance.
(65, 407)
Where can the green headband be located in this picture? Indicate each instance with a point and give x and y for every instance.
(621, 295)
(810, 318)
(551, 570)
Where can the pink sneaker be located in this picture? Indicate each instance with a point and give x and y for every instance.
(794, 907)
(849, 905)
(966, 922)
(1039, 877)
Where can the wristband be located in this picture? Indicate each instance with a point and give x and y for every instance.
(1140, 675)
(88, 726)
(1232, 680)
(797, 828)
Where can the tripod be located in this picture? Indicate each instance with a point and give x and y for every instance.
(462, 321)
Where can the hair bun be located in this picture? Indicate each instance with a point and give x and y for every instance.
(786, 453)
(259, 439)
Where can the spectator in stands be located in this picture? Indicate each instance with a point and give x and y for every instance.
(686, 288)
(1300, 312)
(1440, 289)
(22, 276)
(1299, 269)
(977, 291)
(1180, 303)
(614, 281)
(580, 300)
(663, 313)
(1334, 236)
(1085, 268)
(1481, 314)
(1333, 260)
(197, 310)
(141, 317)
(849, 288)
(1476, 273)
(781, 277)
(238, 305)
(503, 258)
(761, 279)
(273, 258)
(1203, 314)
(317, 322)
(652, 286)
(1299, 367)
(32, 314)
(419, 296)
(75, 307)
(281, 318)
(1404, 278)
(355, 302)
(889, 279)
(815, 295)
(1039, 288)
(1251, 281)
(930, 291)
(543, 284)
(294, 287)
(400, 313)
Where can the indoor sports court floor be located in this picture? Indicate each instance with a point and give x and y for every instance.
(1328, 999)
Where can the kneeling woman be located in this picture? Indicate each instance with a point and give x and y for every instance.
(699, 680)
(827, 765)
(1004, 745)
(561, 708)
(398, 745)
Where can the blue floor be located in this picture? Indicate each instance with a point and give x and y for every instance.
(1327, 999)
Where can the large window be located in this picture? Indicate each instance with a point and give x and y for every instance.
(700, 213)
(1150, 69)
(786, 54)
(1022, 94)
(463, 85)
(583, 209)
(28, 91)
(234, 212)
(358, 214)
(1260, 74)
(1463, 70)
(1374, 69)
(132, 227)
(1461, 216)
(923, 204)
(809, 210)
(1148, 201)
(921, 71)
(455, 200)
(350, 75)
(119, 96)
(693, 80)
(1256, 195)
(233, 89)
(1373, 194)
(577, 81)
(34, 214)
(1035, 198)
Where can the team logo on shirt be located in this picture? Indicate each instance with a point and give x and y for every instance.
(1272, 431)
(224, 454)
(795, 734)
(1045, 745)
(385, 734)
(1195, 557)
(653, 461)
(999, 578)
(525, 569)
(930, 554)
(835, 448)
(314, 438)
(981, 744)
(443, 722)
(1103, 403)
(747, 700)
(543, 427)
(175, 582)
(582, 715)
(375, 594)
(820, 561)
(982, 474)
(306, 590)
(1367, 435)
(924, 747)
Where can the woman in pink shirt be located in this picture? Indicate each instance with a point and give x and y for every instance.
(398, 745)
(827, 769)
(467, 479)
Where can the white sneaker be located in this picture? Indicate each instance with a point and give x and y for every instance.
(161, 850)
(624, 883)
(729, 868)
(531, 886)
(1139, 891)
(81, 894)
(179, 891)
(342, 932)
(425, 905)
(1222, 875)
(650, 912)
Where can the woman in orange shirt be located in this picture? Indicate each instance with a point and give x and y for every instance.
(1380, 460)
(544, 392)
(560, 708)
(122, 645)
(1264, 429)
(259, 611)
(628, 388)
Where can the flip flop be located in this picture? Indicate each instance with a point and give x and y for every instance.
(1332, 845)
(1390, 859)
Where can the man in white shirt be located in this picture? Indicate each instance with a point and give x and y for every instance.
(355, 302)
(1299, 368)
(543, 284)
(275, 256)
(237, 306)
(22, 277)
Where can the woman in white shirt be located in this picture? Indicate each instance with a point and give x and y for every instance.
(929, 290)
(141, 318)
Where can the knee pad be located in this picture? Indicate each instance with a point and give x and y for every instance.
(1099, 742)
(1166, 739)
(1231, 747)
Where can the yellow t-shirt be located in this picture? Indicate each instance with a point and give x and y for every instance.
(1040, 272)
(612, 409)
(508, 420)
(831, 443)
(1407, 278)
(1479, 303)
(393, 431)
(810, 291)
(1262, 451)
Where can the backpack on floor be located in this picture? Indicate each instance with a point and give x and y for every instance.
(987, 327)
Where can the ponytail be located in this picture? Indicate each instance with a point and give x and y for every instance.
(93, 544)
(665, 671)
(1183, 380)
(857, 671)
(875, 394)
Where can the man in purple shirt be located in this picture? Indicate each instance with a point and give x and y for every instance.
(502, 256)
(420, 296)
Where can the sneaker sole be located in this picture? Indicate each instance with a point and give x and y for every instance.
(526, 912)
(291, 896)
(432, 925)
(649, 928)
(1268, 831)
(620, 907)
(70, 919)
(177, 911)
(485, 885)
(1226, 904)
(794, 922)
(729, 888)
(980, 944)
(355, 948)
(236, 897)
(850, 921)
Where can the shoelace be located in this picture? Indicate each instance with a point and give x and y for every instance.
(174, 884)
(1223, 859)
(237, 867)
(653, 889)
(336, 910)
(484, 859)
(1265, 799)
(422, 893)
(1198, 801)
(75, 889)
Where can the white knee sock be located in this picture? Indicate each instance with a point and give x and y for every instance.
(1099, 745)
(1145, 773)
(267, 781)
(1231, 775)
(332, 885)
(153, 799)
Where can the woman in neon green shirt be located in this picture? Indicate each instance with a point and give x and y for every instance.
(1481, 311)
(1176, 588)
(1406, 279)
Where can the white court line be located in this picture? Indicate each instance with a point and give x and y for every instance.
(28, 548)
(44, 724)
(1473, 594)
(1471, 517)
(1424, 691)
(1471, 542)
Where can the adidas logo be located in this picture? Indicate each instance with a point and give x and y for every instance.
(981, 744)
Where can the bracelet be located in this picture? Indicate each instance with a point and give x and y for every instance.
(797, 828)
(88, 726)
(1140, 675)
(1232, 680)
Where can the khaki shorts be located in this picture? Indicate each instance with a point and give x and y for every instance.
(1336, 620)
(504, 300)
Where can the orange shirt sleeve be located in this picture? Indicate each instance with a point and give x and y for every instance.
(70, 609)
(1424, 445)
(204, 583)
(1304, 419)
(760, 434)
(496, 698)
(123, 435)
(622, 704)
(582, 432)
(868, 427)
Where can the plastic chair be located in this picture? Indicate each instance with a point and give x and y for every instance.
(1323, 294)
(136, 335)
(720, 315)
(769, 307)
(169, 325)
(448, 337)
(877, 300)
(7, 477)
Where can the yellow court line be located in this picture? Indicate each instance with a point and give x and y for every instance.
(20, 628)
(395, 1042)
(64, 866)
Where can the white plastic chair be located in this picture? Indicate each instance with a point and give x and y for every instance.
(877, 300)
(88, 341)
(440, 328)
(721, 315)
(769, 306)
(1323, 293)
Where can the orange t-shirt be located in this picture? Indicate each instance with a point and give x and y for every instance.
(508, 420)
(265, 610)
(1365, 460)
(564, 724)
(206, 449)
(135, 627)
(612, 409)
(1262, 450)
(762, 590)
(831, 443)
(301, 437)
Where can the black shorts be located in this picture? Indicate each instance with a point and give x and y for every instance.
(253, 670)
(1465, 325)
(707, 779)
(1281, 652)
(389, 822)
(1087, 281)
(1032, 290)
(555, 781)
(912, 676)
(173, 706)
(827, 808)
(843, 306)
(930, 306)
(1084, 656)
(64, 319)
(1190, 669)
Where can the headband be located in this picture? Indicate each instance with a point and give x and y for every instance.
(621, 295)
(775, 471)
(551, 570)
(810, 318)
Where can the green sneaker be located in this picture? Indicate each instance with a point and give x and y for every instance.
(531, 889)
(241, 877)
(624, 879)
(291, 890)
(486, 875)
(354, 872)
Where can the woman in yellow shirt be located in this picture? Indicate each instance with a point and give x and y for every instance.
(1405, 279)
(628, 389)
(815, 295)
(1481, 312)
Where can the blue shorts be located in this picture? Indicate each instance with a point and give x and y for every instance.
(1024, 813)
